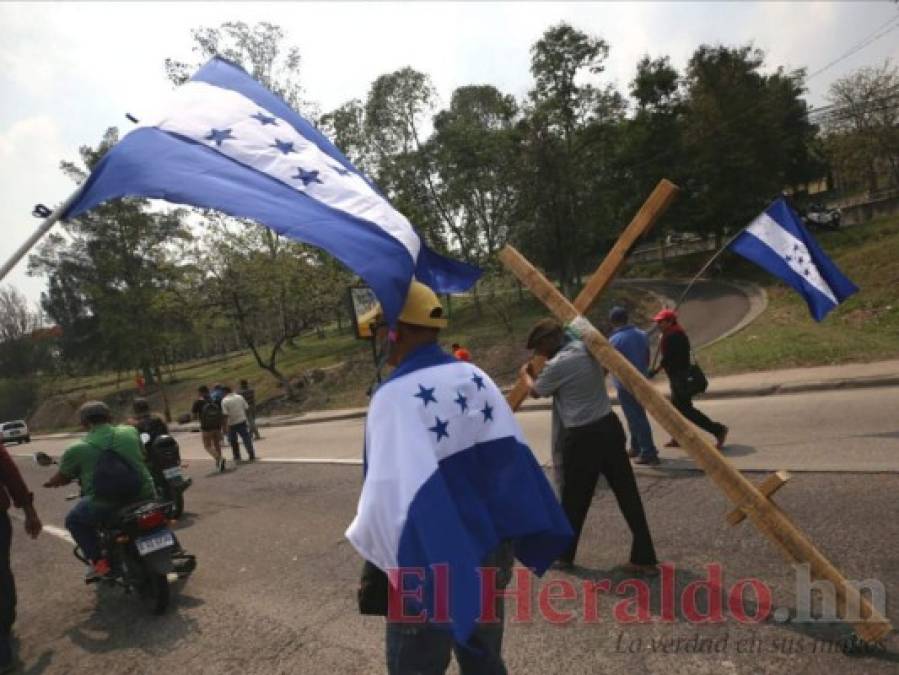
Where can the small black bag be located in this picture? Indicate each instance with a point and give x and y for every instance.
(372, 593)
(695, 382)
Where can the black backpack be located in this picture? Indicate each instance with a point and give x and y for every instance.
(211, 416)
(115, 478)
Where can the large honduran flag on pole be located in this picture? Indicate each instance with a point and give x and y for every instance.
(229, 144)
(778, 242)
(449, 477)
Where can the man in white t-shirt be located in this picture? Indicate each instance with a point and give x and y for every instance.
(235, 408)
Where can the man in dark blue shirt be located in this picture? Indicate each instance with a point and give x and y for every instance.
(634, 346)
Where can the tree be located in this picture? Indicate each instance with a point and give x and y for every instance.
(25, 348)
(862, 128)
(258, 49)
(570, 132)
(106, 275)
(473, 154)
(269, 289)
(746, 136)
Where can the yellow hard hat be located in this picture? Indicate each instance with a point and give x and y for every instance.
(422, 307)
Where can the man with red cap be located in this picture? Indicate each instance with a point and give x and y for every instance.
(676, 364)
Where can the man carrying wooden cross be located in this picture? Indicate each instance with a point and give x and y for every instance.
(591, 437)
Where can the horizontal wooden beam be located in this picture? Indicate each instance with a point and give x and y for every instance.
(767, 487)
(852, 606)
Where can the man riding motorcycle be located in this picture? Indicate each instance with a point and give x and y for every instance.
(147, 422)
(115, 453)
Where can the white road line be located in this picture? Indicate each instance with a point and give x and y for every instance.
(50, 529)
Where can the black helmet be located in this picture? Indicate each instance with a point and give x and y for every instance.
(94, 412)
(140, 406)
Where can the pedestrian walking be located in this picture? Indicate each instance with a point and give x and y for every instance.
(13, 491)
(212, 422)
(676, 362)
(249, 395)
(235, 408)
(634, 346)
(592, 438)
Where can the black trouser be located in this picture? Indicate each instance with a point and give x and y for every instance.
(7, 584)
(681, 399)
(600, 448)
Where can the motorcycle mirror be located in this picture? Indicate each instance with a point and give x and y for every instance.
(145, 438)
(43, 459)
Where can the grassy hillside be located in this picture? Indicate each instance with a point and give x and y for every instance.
(864, 328)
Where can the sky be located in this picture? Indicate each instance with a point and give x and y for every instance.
(69, 70)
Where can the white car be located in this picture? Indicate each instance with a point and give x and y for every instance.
(16, 430)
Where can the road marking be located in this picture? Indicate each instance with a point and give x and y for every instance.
(50, 529)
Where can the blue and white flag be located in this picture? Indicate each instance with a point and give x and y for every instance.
(448, 477)
(229, 144)
(778, 242)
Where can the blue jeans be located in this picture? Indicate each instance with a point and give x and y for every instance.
(242, 430)
(424, 649)
(637, 424)
(82, 523)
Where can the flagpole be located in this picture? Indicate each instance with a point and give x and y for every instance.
(706, 266)
(38, 233)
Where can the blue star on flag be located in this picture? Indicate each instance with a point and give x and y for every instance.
(264, 119)
(284, 146)
(462, 401)
(307, 176)
(478, 380)
(487, 412)
(426, 395)
(217, 136)
(439, 428)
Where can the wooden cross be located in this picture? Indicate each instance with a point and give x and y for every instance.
(657, 203)
(752, 502)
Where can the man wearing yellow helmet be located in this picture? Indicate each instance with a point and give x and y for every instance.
(449, 484)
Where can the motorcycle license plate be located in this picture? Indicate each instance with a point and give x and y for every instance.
(155, 542)
(174, 472)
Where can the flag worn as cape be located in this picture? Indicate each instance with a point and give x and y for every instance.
(448, 477)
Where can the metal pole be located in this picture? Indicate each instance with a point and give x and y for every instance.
(37, 234)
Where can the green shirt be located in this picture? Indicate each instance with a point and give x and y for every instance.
(80, 460)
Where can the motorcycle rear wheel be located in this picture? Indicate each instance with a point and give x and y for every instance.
(154, 593)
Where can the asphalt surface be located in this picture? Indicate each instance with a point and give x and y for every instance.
(274, 590)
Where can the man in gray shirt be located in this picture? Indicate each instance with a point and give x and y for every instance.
(589, 436)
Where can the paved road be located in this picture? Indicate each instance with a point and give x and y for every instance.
(274, 590)
(848, 430)
(710, 310)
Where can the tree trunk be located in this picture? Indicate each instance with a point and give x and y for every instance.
(166, 410)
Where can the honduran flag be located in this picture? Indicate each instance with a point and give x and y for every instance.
(778, 242)
(227, 143)
(449, 477)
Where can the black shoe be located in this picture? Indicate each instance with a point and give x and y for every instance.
(221, 465)
(648, 461)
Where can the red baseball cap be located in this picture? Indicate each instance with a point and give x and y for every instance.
(664, 315)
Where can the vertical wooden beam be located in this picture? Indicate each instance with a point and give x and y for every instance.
(870, 625)
(652, 209)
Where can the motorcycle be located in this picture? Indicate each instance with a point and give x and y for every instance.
(164, 461)
(141, 549)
